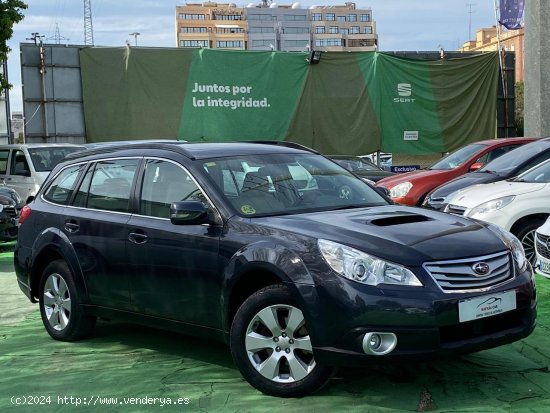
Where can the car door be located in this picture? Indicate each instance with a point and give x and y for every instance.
(19, 175)
(95, 224)
(174, 268)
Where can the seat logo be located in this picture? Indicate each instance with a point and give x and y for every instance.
(481, 269)
(404, 89)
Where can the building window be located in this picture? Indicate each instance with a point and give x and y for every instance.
(329, 42)
(365, 17)
(344, 31)
(193, 29)
(362, 43)
(227, 17)
(367, 29)
(330, 17)
(333, 29)
(229, 44)
(352, 17)
(341, 18)
(260, 17)
(187, 16)
(193, 43)
(262, 43)
(316, 17)
(295, 17)
(296, 43)
(354, 30)
(296, 30)
(319, 29)
(229, 30)
(261, 30)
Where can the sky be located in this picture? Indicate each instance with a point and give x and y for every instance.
(418, 25)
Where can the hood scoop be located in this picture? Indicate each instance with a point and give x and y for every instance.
(400, 220)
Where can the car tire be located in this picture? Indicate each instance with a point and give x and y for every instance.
(61, 305)
(272, 347)
(526, 234)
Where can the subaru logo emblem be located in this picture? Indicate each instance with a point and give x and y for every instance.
(481, 268)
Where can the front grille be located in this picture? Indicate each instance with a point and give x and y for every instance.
(10, 210)
(542, 245)
(455, 209)
(459, 275)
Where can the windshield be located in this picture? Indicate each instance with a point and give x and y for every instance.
(539, 174)
(458, 157)
(277, 184)
(44, 159)
(511, 160)
(355, 164)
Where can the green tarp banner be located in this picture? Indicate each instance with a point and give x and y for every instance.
(349, 103)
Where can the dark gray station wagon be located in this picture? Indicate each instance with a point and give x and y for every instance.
(296, 263)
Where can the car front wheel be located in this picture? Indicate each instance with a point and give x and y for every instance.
(271, 345)
(60, 304)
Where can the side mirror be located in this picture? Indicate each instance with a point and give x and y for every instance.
(476, 166)
(188, 213)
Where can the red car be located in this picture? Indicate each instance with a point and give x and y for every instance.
(412, 187)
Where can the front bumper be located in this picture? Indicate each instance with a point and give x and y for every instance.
(424, 320)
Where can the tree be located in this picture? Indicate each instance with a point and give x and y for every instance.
(10, 14)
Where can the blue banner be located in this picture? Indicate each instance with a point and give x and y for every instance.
(511, 13)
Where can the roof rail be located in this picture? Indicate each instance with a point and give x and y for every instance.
(175, 146)
(286, 144)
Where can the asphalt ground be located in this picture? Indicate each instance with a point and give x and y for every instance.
(127, 368)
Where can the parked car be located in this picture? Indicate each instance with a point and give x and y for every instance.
(411, 188)
(519, 205)
(24, 167)
(504, 167)
(295, 281)
(361, 167)
(10, 207)
(542, 247)
(385, 162)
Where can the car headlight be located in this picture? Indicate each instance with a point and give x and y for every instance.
(401, 190)
(491, 206)
(364, 268)
(513, 244)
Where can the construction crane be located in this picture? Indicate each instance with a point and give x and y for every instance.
(88, 26)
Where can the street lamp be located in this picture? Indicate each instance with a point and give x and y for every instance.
(135, 34)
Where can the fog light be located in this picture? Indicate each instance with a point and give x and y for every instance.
(379, 344)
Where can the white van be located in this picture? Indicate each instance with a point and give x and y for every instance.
(24, 167)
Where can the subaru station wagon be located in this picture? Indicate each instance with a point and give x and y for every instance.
(296, 263)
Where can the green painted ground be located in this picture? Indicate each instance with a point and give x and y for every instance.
(124, 361)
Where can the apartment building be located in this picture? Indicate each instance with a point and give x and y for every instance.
(269, 26)
(510, 41)
(211, 25)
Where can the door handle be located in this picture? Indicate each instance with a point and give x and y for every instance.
(137, 237)
(71, 226)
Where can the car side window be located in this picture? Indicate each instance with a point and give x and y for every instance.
(110, 185)
(4, 161)
(61, 188)
(19, 164)
(495, 153)
(163, 183)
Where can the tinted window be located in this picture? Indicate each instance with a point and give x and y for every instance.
(44, 159)
(288, 183)
(496, 153)
(111, 185)
(458, 157)
(163, 183)
(61, 188)
(19, 165)
(513, 159)
(4, 161)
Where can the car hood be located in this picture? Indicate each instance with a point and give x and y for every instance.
(403, 235)
(478, 194)
(413, 176)
(472, 178)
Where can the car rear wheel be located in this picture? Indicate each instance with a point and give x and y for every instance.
(60, 304)
(271, 345)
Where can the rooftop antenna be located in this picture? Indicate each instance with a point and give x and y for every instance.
(470, 11)
(88, 26)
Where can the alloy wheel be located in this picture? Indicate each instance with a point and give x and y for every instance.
(57, 302)
(528, 242)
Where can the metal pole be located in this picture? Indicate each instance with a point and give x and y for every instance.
(44, 97)
(502, 73)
